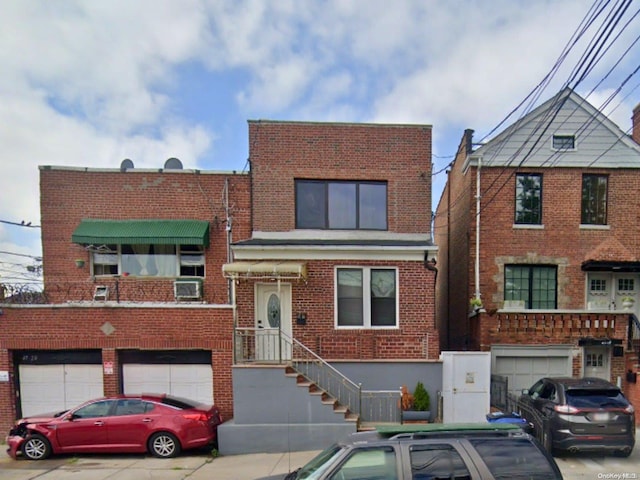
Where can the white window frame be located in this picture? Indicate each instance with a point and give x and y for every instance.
(366, 297)
(564, 135)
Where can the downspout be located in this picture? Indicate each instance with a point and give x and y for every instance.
(477, 261)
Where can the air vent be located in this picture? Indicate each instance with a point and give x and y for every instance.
(188, 289)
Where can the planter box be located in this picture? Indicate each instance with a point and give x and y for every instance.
(414, 416)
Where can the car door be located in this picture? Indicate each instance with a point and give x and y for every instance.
(130, 425)
(84, 429)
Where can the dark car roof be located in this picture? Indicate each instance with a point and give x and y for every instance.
(586, 382)
(431, 430)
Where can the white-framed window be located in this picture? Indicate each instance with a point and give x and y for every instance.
(563, 142)
(366, 297)
(149, 260)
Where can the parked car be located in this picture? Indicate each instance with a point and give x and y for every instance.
(430, 451)
(580, 414)
(160, 424)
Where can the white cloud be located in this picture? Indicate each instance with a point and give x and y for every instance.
(89, 83)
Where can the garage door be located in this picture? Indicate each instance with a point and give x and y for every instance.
(50, 388)
(523, 367)
(184, 380)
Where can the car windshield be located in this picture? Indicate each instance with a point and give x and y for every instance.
(319, 463)
(589, 398)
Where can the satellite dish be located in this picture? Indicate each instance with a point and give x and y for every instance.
(173, 164)
(126, 165)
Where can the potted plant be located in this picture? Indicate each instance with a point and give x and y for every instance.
(475, 303)
(416, 407)
(627, 302)
(79, 262)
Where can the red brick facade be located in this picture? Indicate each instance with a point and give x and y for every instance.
(559, 240)
(141, 311)
(400, 155)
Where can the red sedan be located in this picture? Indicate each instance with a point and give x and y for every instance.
(162, 425)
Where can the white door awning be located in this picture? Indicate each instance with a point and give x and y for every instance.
(275, 270)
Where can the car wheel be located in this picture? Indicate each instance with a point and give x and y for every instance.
(625, 452)
(36, 447)
(164, 445)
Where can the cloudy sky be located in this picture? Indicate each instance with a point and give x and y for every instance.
(89, 83)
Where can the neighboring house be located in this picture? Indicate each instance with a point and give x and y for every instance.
(540, 223)
(340, 266)
(133, 295)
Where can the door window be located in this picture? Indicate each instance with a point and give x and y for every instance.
(437, 461)
(369, 463)
(96, 409)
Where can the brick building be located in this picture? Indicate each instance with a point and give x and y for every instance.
(166, 279)
(537, 224)
(133, 295)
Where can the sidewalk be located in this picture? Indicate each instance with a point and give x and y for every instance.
(136, 467)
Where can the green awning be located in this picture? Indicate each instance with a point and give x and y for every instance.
(137, 232)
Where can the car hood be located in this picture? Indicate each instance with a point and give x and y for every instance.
(42, 417)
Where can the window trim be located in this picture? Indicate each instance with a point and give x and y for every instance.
(366, 297)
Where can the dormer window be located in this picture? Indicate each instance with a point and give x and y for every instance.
(564, 142)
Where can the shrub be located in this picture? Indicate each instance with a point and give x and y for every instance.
(421, 400)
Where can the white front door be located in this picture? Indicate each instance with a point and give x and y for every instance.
(609, 291)
(596, 362)
(273, 316)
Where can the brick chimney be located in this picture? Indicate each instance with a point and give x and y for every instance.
(635, 122)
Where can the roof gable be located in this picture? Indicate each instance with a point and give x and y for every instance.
(599, 142)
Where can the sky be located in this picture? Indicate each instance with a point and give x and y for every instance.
(88, 83)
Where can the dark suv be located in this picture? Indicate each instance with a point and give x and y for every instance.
(580, 414)
(433, 451)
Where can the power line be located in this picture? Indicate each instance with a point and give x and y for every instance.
(21, 224)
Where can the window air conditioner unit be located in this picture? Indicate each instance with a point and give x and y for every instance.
(188, 289)
(101, 293)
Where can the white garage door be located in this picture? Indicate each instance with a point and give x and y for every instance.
(190, 381)
(50, 388)
(523, 368)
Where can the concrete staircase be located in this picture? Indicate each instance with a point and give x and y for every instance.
(277, 409)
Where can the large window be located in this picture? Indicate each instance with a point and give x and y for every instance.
(148, 260)
(366, 297)
(341, 205)
(594, 200)
(528, 198)
(535, 285)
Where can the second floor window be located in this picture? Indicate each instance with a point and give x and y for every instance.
(594, 200)
(528, 198)
(535, 285)
(149, 260)
(341, 205)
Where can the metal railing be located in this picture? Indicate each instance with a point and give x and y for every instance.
(273, 346)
